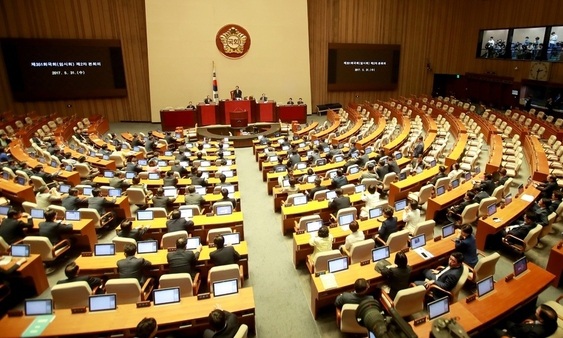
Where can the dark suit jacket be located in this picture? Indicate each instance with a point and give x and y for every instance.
(382, 171)
(397, 278)
(224, 256)
(237, 93)
(135, 234)
(418, 149)
(229, 331)
(314, 190)
(53, 230)
(133, 167)
(394, 167)
(488, 186)
(99, 203)
(177, 225)
(339, 203)
(132, 267)
(524, 330)
(339, 181)
(182, 261)
(92, 281)
(199, 181)
(72, 202)
(11, 229)
(350, 298)
(388, 227)
(521, 231)
(162, 202)
(179, 169)
(227, 199)
(448, 279)
(468, 248)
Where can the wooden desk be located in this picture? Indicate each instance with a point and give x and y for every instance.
(190, 316)
(16, 192)
(457, 151)
(555, 263)
(33, 273)
(400, 189)
(307, 129)
(488, 226)
(495, 154)
(294, 112)
(449, 198)
(320, 297)
(170, 119)
(464, 317)
(85, 228)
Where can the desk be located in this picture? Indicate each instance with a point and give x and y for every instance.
(320, 297)
(450, 197)
(207, 114)
(266, 111)
(85, 228)
(555, 263)
(16, 192)
(189, 316)
(226, 107)
(296, 112)
(488, 226)
(495, 154)
(400, 189)
(33, 272)
(465, 318)
(172, 118)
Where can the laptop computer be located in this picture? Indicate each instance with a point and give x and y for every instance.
(345, 220)
(455, 183)
(38, 307)
(109, 174)
(144, 247)
(166, 296)
(300, 200)
(314, 226)
(225, 287)
(520, 266)
(37, 213)
(321, 161)
(224, 210)
(375, 212)
(72, 215)
(171, 193)
(145, 215)
(102, 302)
(337, 264)
(432, 163)
(20, 250)
(354, 170)
(232, 238)
(115, 192)
(330, 195)
(301, 165)
(380, 253)
(359, 188)
(477, 170)
(398, 156)
(130, 174)
(104, 249)
(491, 209)
(186, 213)
(204, 164)
(193, 243)
(448, 230)
(54, 164)
(438, 308)
(201, 190)
(311, 179)
(485, 286)
(400, 204)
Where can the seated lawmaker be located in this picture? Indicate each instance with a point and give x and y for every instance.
(224, 255)
(12, 229)
(71, 273)
(445, 278)
(223, 324)
(131, 266)
(520, 230)
(396, 275)
(147, 328)
(458, 209)
(51, 229)
(465, 243)
(388, 226)
(542, 324)
(339, 180)
(178, 223)
(321, 242)
(226, 198)
(360, 293)
(340, 202)
(127, 231)
(182, 260)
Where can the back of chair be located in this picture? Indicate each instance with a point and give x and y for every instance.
(158, 212)
(369, 182)
(4, 246)
(221, 204)
(443, 182)
(346, 211)
(320, 195)
(40, 245)
(469, 214)
(27, 206)
(426, 228)
(398, 240)
(169, 239)
(136, 196)
(498, 193)
(223, 272)
(388, 179)
(181, 280)
(485, 267)
(361, 251)
(69, 295)
(242, 331)
(460, 283)
(348, 189)
(306, 219)
(322, 258)
(120, 242)
(127, 290)
(531, 240)
(409, 301)
(425, 193)
(484, 205)
(82, 169)
(90, 213)
(348, 322)
(60, 210)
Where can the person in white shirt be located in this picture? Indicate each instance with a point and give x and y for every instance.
(321, 242)
(411, 216)
(45, 197)
(371, 197)
(455, 171)
(354, 237)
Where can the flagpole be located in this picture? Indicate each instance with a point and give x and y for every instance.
(214, 83)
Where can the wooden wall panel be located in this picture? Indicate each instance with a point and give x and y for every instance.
(84, 19)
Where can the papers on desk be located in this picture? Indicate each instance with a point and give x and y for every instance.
(5, 260)
(423, 253)
(527, 198)
(328, 280)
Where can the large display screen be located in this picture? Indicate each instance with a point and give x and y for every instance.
(363, 67)
(56, 69)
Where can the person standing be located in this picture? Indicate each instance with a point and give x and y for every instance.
(465, 243)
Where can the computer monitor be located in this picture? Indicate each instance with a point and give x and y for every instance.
(206, 146)
(232, 238)
(130, 174)
(302, 145)
(108, 174)
(368, 150)
(398, 155)
(402, 175)
(433, 163)
(6, 175)
(37, 307)
(20, 250)
(468, 176)
(438, 308)
(359, 188)
(520, 266)
(193, 243)
(162, 163)
(37, 213)
(201, 190)
(285, 148)
(345, 219)
(154, 176)
(508, 199)
(300, 200)
(54, 164)
(354, 170)
(166, 296)
(326, 149)
(448, 230)
(321, 161)
(280, 169)
(314, 226)
(72, 215)
(380, 253)
(145, 215)
(331, 195)
(400, 204)
(68, 167)
(104, 249)
(93, 154)
(225, 287)
(228, 173)
(491, 209)
(419, 169)
(338, 264)
(186, 213)
(375, 212)
(520, 189)
(224, 210)
(20, 180)
(301, 165)
(87, 191)
(332, 174)
(168, 153)
(102, 302)
(204, 164)
(171, 192)
(477, 170)
(311, 179)
(354, 154)
(144, 247)
(418, 241)
(485, 286)
(440, 190)
(273, 159)
(142, 162)
(230, 188)
(64, 188)
(4, 210)
(114, 192)
(455, 183)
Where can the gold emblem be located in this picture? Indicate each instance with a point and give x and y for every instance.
(233, 41)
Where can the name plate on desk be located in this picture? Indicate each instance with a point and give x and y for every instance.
(171, 249)
(203, 296)
(299, 232)
(366, 262)
(75, 310)
(419, 321)
(15, 313)
(470, 298)
(143, 304)
(437, 238)
(86, 254)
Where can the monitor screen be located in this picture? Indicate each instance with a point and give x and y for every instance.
(485, 286)
(400, 204)
(114, 192)
(93, 154)
(331, 195)
(368, 150)
(105, 157)
(338, 264)
(448, 230)
(508, 199)
(280, 169)
(145, 215)
(166, 296)
(332, 174)
(433, 163)
(520, 266)
(375, 212)
(438, 308)
(186, 213)
(230, 188)
(225, 287)
(477, 170)
(64, 188)
(380, 253)
(467, 176)
(440, 191)
(142, 161)
(108, 174)
(354, 170)
(171, 192)
(129, 175)
(228, 173)
(491, 209)
(418, 241)
(402, 176)
(311, 179)
(6, 175)
(4, 210)
(154, 176)
(35, 307)
(162, 163)
(300, 200)
(398, 156)
(314, 226)
(232, 238)
(37, 213)
(201, 190)
(301, 165)
(359, 188)
(345, 220)
(321, 161)
(87, 191)
(193, 243)
(273, 159)
(72, 215)
(285, 148)
(223, 210)
(455, 183)
(21, 180)
(104, 249)
(204, 164)
(102, 302)
(338, 158)
(20, 250)
(144, 247)
(54, 164)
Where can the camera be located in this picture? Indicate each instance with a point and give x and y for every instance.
(369, 315)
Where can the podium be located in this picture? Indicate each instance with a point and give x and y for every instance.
(170, 119)
(227, 107)
(266, 111)
(207, 114)
(239, 119)
(294, 112)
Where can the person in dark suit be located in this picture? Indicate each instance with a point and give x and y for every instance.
(224, 255)
(397, 275)
(161, 201)
(100, 203)
(237, 93)
(133, 166)
(548, 187)
(316, 188)
(520, 230)
(340, 202)
(334, 151)
(393, 166)
(555, 201)
(119, 181)
(441, 174)
(177, 223)
(388, 226)
(223, 324)
(361, 288)
(147, 328)
(263, 98)
(339, 180)
(51, 229)
(542, 324)
(290, 101)
(71, 273)
(458, 209)
(207, 100)
(370, 173)
(465, 243)
(503, 177)
(300, 101)
(382, 169)
(480, 193)
(418, 148)
(72, 201)
(179, 169)
(183, 260)
(170, 180)
(199, 180)
(127, 231)
(226, 198)
(49, 179)
(488, 185)
(446, 278)
(131, 266)
(193, 198)
(190, 105)
(12, 228)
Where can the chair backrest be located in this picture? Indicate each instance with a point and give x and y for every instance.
(127, 290)
(83, 170)
(69, 295)
(27, 206)
(443, 182)
(158, 212)
(119, 160)
(498, 193)
(531, 239)
(291, 198)
(212, 233)
(120, 242)
(398, 240)
(320, 195)
(545, 230)
(194, 208)
(91, 213)
(409, 301)
(306, 219)
(182, 280)
(169, 239)
(321, 259)
(460, 283)
(425, 193)
(368, 182)
(221, 204)
(348, 189)
(9, 171)
(223, 272)
(136, 196)
(348, 322)
(40, 245)
(484, 205)
(426, 228)
(388, 179)
(346, 211)
(60, 210)
(242, 331)
(485, 267)
(361, 251)
(469, 214)
(506, 187)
